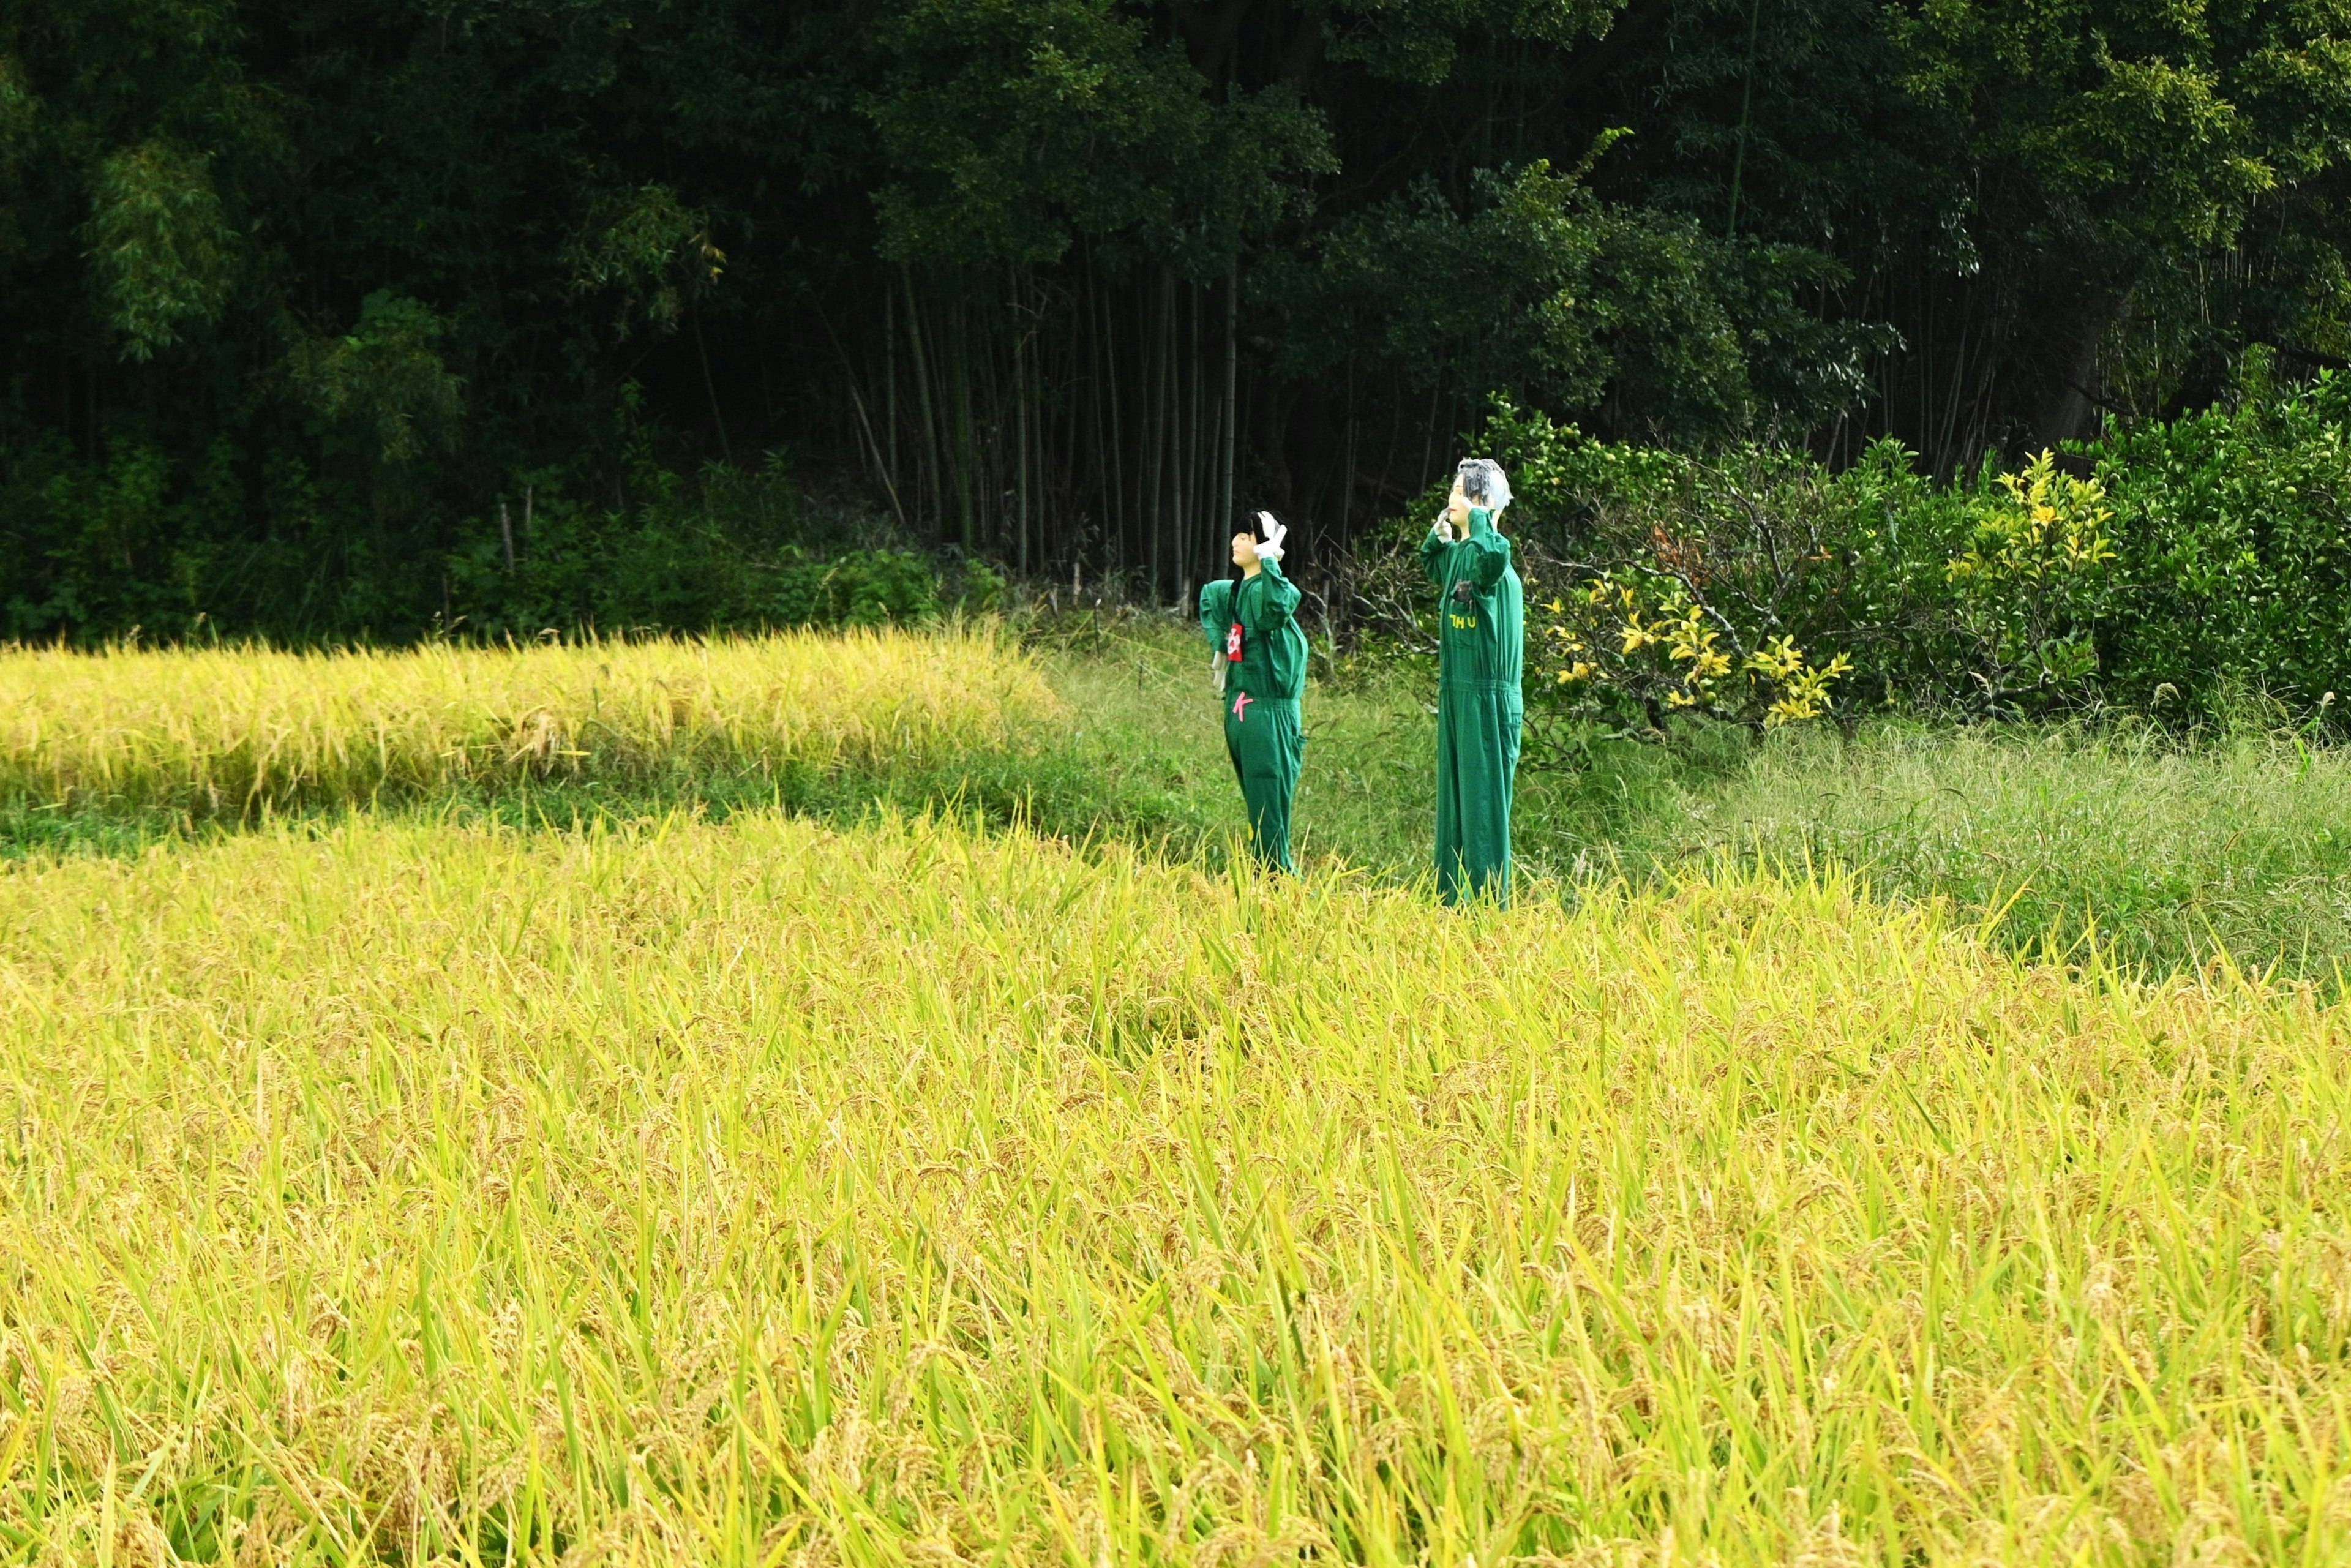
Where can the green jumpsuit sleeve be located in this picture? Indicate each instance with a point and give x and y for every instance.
(1273, 646)
(1279, 633)
(1216, 611)
(1489, 552)
(1272, 607)
(1434, 553)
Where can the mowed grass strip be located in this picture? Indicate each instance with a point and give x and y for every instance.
(235, 730)
(678, 1195)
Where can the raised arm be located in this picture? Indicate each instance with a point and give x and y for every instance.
(1435, 551)
(1492, 551)
(1275, 605)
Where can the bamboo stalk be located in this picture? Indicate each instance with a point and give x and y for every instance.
(923, 387)
(1194, 471)
(1066, 506)
(1232, 372)
(1117, 444)
(1147, 470)
(710, 385)
(1347, 491)
(890, 375)
(993, 480)
(967, 443)
(1161, 420)
(1021, 435)
(1086, 351)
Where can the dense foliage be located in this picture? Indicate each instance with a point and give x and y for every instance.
(305, 308)
(2180, 565)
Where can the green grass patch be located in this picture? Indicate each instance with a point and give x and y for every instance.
(2164, 853)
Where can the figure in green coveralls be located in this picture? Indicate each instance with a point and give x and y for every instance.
(1481, 643)
(1259, 665)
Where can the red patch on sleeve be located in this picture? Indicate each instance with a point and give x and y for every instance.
(1233, 643)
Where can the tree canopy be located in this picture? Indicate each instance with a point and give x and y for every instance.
(304, 304)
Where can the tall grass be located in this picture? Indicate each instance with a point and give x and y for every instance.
(2168, 854)
(764, 1196)
(234, 730)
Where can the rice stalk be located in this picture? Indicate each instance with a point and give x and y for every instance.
(239, 731)
(664, 1193)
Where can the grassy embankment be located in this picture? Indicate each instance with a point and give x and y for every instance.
(676, 1192)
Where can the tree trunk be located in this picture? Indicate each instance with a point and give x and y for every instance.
(2069, 410)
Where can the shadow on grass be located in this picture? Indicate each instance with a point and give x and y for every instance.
(1046, 790)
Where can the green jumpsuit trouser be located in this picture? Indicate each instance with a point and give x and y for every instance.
(1480, 712)
(1265, 739)
(1253, 623)
(1477, 770)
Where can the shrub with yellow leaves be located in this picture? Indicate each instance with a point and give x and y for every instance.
(2033, 582)
(1631, 648)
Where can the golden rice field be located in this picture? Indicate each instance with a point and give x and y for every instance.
(237, 730)
(771, 1194)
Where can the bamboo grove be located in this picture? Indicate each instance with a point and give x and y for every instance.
(1053, 423)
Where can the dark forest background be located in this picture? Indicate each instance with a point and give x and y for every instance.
(329, 319)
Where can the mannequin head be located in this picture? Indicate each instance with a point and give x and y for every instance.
(1245, 551)
(1482, 480)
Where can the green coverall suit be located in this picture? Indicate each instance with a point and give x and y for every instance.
(1254, 624)
(1481, 637)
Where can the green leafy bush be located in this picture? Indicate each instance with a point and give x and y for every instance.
(703, 552)
(860, 588)
(2192, 562)
(2233, 527)
(1752, 586)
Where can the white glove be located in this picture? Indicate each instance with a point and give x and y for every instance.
(1443, 527)
(1216, 669)
(1269, 535)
